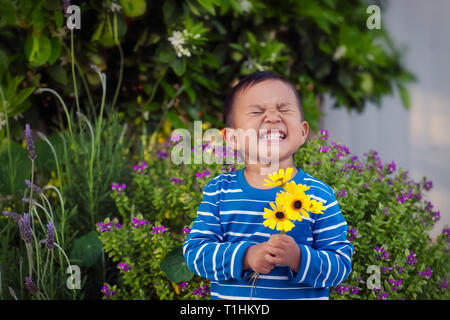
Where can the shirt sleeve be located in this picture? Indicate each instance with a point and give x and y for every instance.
(205, 252)
(327, 262)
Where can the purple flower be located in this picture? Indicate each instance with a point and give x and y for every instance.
(385, 210)
(30, 143)
(106, 226)
(446, 232)
(427, 273)
(412, 259)
(136, 223)
(354, 290)
(175, 138)
(428, 185)
(118, 187)
(50, 241)
(341, 289)
(66, 4)
(186, 230)
(396, 284)
(353, 234)
(324, 134)
(201, 291)
(140, 167)
(401, 197)
(391, 167)
(32, 186)
(160, 229)
(162, 154)
(436, 216)
(124, 267)
(25, 228)
(324, 149)
(176, 180)
(107, 292)
(342, 193)
(382, 296)
(444, 283)
(384, 253)
(201, 175)
(15, 216)
(183, 285)
(30, 285)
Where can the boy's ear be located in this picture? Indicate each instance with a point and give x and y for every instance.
(229, 137)
(304, 129)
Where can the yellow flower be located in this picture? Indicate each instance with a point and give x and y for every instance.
(295, 201)
(278, 179)
(277, 217)
(316, 207)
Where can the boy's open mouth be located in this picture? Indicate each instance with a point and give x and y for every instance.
(272, 135)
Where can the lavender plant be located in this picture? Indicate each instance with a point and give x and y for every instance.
(46, 269)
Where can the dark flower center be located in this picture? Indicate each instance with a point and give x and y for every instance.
(279, 215)
(297, 204)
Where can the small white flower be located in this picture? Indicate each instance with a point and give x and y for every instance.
(246, 6)
(2, 120)
(115, 7)
(340, 52)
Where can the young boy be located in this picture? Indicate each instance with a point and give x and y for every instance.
(228, 241)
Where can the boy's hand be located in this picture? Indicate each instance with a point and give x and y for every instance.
(255, 258)
(283, 250)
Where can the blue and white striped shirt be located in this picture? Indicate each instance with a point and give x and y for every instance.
(230, 219)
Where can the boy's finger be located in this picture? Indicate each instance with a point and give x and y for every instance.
(279, 238)
(276, 251)
(271, 259)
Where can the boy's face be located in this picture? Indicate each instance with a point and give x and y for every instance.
(268, 106)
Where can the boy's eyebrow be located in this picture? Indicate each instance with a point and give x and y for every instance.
(280, 104)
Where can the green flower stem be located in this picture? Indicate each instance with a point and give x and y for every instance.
(11, 170)
(119, 81)
(83, 78)
(69, 121)
(72, 55)
(68, 264)
(91, 166)
(63, 216)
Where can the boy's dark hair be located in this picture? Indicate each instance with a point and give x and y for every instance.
(248, 81)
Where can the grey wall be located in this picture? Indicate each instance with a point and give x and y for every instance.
(417, 140)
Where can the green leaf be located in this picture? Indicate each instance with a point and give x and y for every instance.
(87, 249)
(56, 51)
(165, 53)
(404, 95)
(133, 8)
(179, 66)
(58, 74)
(174, 119)
(208, 5)
(37, 49)
(169, 12)
(59, 19)
(174, 266)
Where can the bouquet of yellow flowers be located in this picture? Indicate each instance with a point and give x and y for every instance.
(291, 204)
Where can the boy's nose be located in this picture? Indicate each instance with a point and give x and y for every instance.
(272, 116)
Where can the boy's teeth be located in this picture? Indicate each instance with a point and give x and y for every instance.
(273, 136)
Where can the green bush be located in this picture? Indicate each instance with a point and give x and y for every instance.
(192, 51)
(387, 213)
(388, 217)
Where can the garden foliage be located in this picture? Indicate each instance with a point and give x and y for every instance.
(386, 210)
